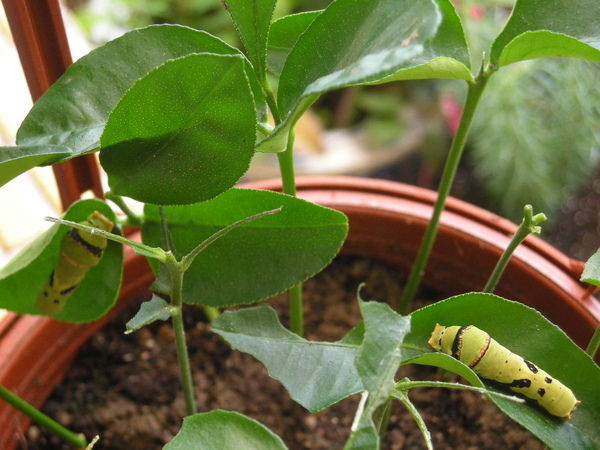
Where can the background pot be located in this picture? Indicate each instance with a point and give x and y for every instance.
(387, 221)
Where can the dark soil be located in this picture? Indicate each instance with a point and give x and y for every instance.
(127, 390)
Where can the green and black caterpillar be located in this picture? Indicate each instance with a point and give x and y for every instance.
(490, 360)
(79, 252)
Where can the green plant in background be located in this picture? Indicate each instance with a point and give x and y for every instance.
(177, 115)
(96, 17)
(546, 139)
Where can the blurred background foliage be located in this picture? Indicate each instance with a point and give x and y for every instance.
(536, 138)
(102, 19)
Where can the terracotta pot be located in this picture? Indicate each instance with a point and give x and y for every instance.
(387, 221)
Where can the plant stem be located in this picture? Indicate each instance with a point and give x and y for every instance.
(594, 344)
(288, 181)
(474, 92)
(76, 440)
(271, 102)
(382, 418)
(527, 226)
(286, 167)
(404, 385)
(132, 217)
(138, 247)
(183, 359)
(403, 398)
(188, 259)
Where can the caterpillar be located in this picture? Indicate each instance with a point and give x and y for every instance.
(79, 252)
(490, 360)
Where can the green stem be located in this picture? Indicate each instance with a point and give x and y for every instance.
(138, 247)
(288, 181)
(404, 385)
(286, 167)
(456, 150)
(594, 344)
(76, 440)
(166, 239)
(132, 217)
(381, 418)
(187, 260)
(271, 102)
(183, 360)
(527, 226)
(403, 398)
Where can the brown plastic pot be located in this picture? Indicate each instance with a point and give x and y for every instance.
(387, 221)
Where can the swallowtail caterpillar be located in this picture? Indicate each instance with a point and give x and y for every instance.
(79, 252)
(490, 360)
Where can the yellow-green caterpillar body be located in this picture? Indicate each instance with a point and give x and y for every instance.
(490, 360)
(79, 252)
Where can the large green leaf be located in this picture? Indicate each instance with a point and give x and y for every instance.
(25, 275)
(16, 160)
(252, 19)
(283, 35)
(316, 374)
(537, 29)
(351, 42)
(445, 56)
(182, 134)
(74, 110)
(224, 430)
(525, 332)
(256, 260)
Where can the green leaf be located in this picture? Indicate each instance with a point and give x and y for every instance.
(351, 42)
(189, 258)
(154, 309)
(591, 270)
(377, 362)
(316, 374)
(525, 332)
(163, 284)
(17, 160)
(25, 275)
(561, 28)
(182, 134)
(283, 35)
(364, 437)
(72, 113)
(224, 430)
(378, 357)
(444, 56)
(252, 19)
(256, 260)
